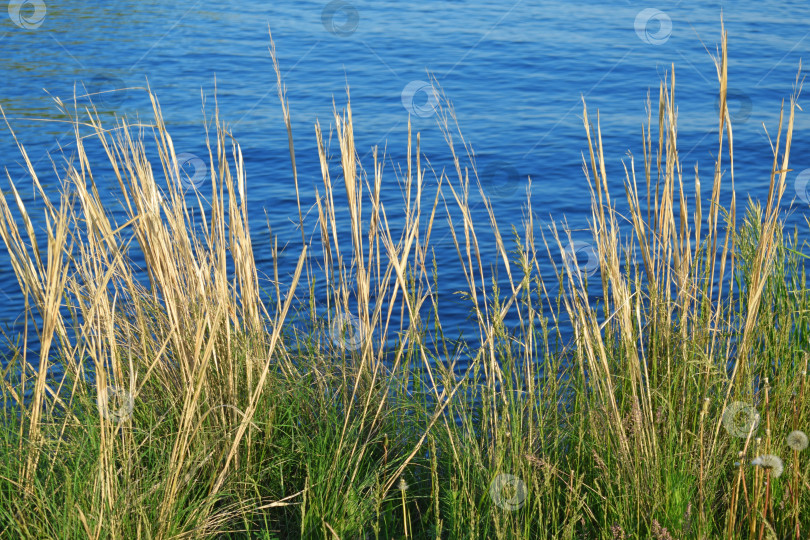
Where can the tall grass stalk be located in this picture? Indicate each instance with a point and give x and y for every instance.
(175, 395)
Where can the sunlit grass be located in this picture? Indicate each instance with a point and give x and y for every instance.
(194, 400)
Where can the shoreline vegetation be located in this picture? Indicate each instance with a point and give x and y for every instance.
(186, 406)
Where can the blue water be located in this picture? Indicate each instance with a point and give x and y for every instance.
(515, 73)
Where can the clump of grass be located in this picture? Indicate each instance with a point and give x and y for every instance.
(188, 403)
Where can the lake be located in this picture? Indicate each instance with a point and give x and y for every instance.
(515, 72)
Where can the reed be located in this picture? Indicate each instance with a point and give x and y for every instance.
(187, 402)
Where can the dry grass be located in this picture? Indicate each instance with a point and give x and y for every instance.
(186, 406)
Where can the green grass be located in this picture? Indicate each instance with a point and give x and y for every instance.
(230, 423)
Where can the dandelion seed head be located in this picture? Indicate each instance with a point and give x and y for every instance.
(403, 485)
(797, 440)
(769, 461)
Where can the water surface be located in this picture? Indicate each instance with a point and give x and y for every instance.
(515, 73)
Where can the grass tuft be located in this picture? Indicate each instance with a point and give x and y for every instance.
(176, 394)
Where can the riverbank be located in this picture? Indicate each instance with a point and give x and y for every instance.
(188, 404)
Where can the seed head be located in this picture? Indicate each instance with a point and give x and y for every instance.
(769, 461)
(797, 440)
(403, 485)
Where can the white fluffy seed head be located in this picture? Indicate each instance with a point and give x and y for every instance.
(769, 461)
(797, 440)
